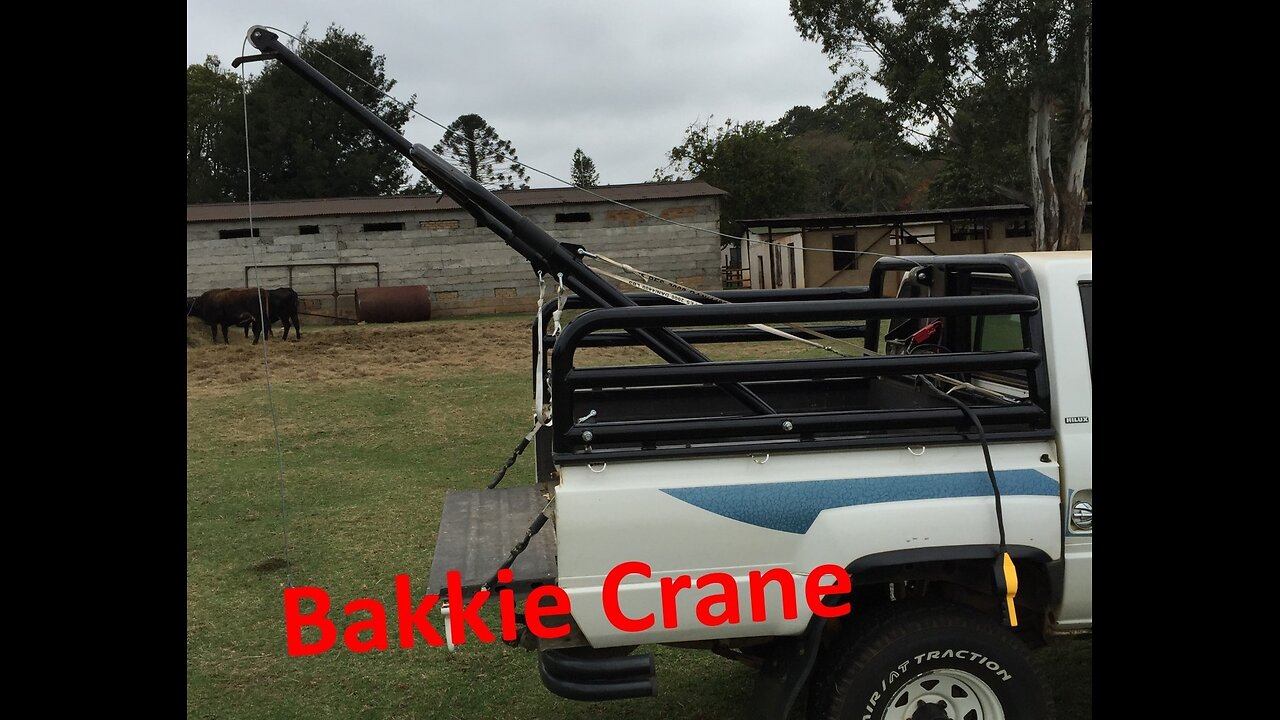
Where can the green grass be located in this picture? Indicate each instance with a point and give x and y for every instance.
(366, 468)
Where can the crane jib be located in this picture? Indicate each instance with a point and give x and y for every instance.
(543, 252)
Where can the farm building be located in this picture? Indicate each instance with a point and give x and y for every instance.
(326, 249)
(795, 252)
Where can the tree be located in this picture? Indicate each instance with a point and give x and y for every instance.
(474, 147)
(422, 187)
(860, 161)
(933, 54)
(763, 173)
(308, 147)
(215, 139)
(983, 156)
(584, 170)
(302, 145)
(854, 115)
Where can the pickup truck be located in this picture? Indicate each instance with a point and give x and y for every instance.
(888, 525)
(654, 477)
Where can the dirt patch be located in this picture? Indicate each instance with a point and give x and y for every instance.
(425, 350)
(339, 354)
(271, 565)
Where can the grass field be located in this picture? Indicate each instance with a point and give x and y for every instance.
(376, 423)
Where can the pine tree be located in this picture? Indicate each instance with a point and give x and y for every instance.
(584, 170)
(474, 147)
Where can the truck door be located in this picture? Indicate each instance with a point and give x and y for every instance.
(1075, 431)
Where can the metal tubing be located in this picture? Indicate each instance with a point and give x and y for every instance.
(778, 312)
(722, 335)
(581, 669)
(747, 371)
(800, 424)
(603, 685)
(630, 318)
(767, 446)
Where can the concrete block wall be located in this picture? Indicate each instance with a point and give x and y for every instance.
(468, 269)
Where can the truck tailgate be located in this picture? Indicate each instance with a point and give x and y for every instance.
(478, 529)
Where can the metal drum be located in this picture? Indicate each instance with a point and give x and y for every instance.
(404, 303)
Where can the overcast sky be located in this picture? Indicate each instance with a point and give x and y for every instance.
(621, 80)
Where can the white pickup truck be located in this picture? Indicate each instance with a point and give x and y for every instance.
(681, 516)
(889, 526)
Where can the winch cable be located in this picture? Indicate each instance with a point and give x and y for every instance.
(707, 297)
(686, 301)
(541, 407)
(1006, 575)
(539, 404)
(567, 183)
(520, 448)
(538, 522)
(265, 317)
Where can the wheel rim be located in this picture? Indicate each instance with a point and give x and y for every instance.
(945, 694)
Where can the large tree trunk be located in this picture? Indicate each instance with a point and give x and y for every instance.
(1044, 194)
(1073, 199)
(1033, 159)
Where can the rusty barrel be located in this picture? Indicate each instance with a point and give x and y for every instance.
(404, 303)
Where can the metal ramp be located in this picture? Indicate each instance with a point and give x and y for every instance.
(479, 528)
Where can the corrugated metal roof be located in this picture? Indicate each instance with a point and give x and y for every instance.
(214, 212)
(812, 220)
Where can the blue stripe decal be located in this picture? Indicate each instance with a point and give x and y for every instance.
(792, 507)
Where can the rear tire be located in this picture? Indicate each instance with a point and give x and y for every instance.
(936, 662)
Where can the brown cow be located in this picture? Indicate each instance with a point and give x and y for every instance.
(231, 306)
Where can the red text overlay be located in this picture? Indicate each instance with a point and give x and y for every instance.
(546, 609)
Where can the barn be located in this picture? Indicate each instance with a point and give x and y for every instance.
(326, 249)
(822, 250)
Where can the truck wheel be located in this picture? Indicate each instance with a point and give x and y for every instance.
(937, 662)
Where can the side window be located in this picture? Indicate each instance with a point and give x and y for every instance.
(1086, 303)
(994, 332)
(997, 332)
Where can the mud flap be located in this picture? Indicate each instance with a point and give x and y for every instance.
(785, 672)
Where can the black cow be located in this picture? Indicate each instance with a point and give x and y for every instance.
(284, 307)
(231, 306)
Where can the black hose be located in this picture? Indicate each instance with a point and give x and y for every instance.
(986, 451)
(1006, 574)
